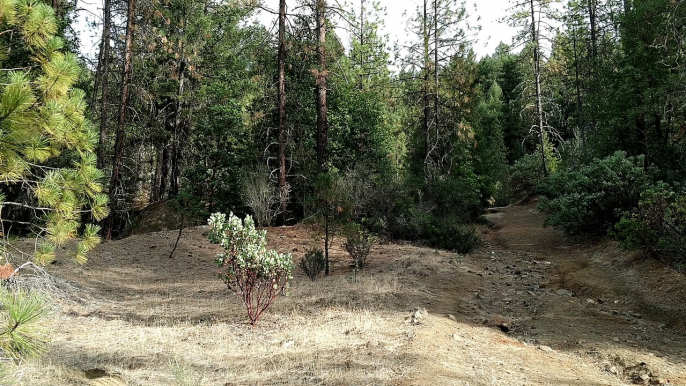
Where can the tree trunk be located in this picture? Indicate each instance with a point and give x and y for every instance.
(178, 135)
(104, 74)
(156, 178)
(322, 119)
(362, 59)
(436, 101)
(577, 82)
(121, 124)
(537, 76)
(164, 172)
(283, 134)
(427, 134)
(592, 9)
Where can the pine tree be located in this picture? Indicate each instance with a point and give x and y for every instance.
(48, 173)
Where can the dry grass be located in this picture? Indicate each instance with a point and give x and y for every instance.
(149, 320)
(311, 338)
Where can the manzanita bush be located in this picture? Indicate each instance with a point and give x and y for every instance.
(257, 275)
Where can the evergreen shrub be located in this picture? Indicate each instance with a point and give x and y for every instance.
(313, 263)
(256, 275)
(657, 225)
(591, 200)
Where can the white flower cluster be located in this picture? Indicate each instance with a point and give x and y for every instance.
(246, 247)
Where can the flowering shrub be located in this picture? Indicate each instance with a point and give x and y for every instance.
(255, 274)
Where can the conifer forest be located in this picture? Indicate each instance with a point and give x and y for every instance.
(318, 120)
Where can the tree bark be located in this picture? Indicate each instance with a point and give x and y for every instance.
(104, 73)
(322, 119)
(427, 112)
(436, 101)
(283, 134)
(362, 59)
(178, 134)
(592, 10)
(537, 76)
(121, 124)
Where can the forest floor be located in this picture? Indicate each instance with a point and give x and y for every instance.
(528, 308)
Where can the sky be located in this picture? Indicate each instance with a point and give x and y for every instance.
(486, 13)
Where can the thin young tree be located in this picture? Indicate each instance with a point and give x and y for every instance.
(535, 17)
(102, 77)
(283, 131)
(116, 190)
(442, 29)
(320, 83)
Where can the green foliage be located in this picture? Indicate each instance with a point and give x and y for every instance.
(21, 333)
(657, 225)
(490, 147)
(47, 142)
(219, 142)
(359, 133)
(527, 172)
(456, 198)
(256, 275)
(451, 233)
(591, 200)
(358, 244)
(313, 263)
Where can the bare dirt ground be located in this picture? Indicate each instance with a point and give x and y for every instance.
(529, 308)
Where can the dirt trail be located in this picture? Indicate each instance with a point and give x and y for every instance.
(586, 315)
(529, 308)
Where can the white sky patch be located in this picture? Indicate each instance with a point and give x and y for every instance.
(487, 13)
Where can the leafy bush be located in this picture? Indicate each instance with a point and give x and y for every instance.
(457, 198)
(525, 175)
(592, 199)
(257, 275)
(313, 263)
(657, 225)
(450, 233)
(358, 245)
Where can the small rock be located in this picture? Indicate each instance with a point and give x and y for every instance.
(452, 317)
(418, 315)
(456, 337)
(288, 344)
(503, 323)
(563, 292)
(590, 301)
(613, 370)
(545, 348)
